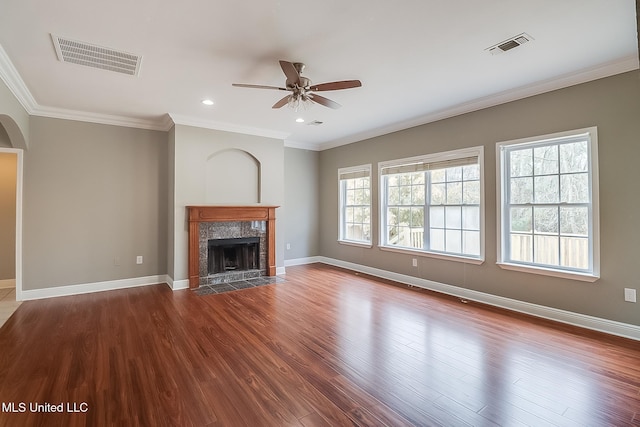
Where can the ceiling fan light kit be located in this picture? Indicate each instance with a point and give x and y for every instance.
(301, 88)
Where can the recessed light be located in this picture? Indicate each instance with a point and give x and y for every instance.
(207, 102)
(299, 120)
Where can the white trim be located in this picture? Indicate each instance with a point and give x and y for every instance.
(429, 254)
(502, 246)
(14, 82)
(85, 288)
(356, 243)
(302, 261)
(548, 272)
(227, 127)
(7, 284)
(19, 189)
(281, 271)
(619, 66)
(177, 285)
(576, 319)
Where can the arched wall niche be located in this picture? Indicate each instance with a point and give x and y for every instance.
(233, 177)
(16, 138)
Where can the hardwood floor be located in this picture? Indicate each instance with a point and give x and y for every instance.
(326, 348)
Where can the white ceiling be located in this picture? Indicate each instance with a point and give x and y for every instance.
(418, 60)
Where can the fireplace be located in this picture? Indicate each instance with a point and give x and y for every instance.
(236, 254)
(251, 256)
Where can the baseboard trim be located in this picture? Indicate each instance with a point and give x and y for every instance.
(177, 285)
(576, 319)
(7, 283)
(85, 288)
(302, 261)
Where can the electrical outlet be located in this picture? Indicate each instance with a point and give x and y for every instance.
(415, 262)
(116, 261)
(288, 246)
(629, 295)
(139, 259)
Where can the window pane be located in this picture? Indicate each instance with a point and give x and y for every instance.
(350, 183)
(392, 235)
(546, 250)
(453, 216)
(471, 242)
(471, 172)
(417, 194)
(405, 195)
(521, 162)
(575, 188)
(471, 217)
(366, 215)
(454, 193)
(574, 220)
(522, 219)
(436, 216)
(454, 174)
(417, 217)
(453, 241)
(546, 189)
(349, 214)
(351, 197)
(392, 216)
(393, 195)
(438, 194)
(545, 160)
(417, 178)
(437, 240)
(574, 252)
(471, 192)
(366, 231)
(437, 175)
(522, 247)
(392, 180)
(521, 191)
(574, 157)
(545, 220)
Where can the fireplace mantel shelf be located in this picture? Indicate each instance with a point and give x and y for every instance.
(223, 213)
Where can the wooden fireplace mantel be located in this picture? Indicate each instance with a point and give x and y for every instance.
(198, 214)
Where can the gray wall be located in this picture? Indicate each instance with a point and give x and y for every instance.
(611, 104)
(302, 225)
(8, 179)
(95, 197)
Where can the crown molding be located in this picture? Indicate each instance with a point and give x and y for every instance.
(16, 85)
(14, 82)
(623, 65)
(227, 127)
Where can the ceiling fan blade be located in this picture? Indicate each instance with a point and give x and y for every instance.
(282, 102)
(345, 84)
(324, 101)
(293, 77)
(258, 86)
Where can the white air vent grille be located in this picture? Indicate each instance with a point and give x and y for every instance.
(509, 44)
(89, 55)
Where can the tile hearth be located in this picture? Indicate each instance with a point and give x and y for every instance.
(220, 288)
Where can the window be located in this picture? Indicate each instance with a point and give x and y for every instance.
(355, 204)
(548, 218)
(434, 204)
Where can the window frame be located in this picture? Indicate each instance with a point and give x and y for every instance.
(503, 233)
(433, 158)
(366, 169)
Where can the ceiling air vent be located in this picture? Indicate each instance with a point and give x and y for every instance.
(90, 55)
(509, 44)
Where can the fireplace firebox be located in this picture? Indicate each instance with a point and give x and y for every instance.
(238, 254)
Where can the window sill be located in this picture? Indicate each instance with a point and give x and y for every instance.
(447, 257)
(583, 277)
(355, 243)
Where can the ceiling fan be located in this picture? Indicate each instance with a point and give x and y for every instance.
(301, 88)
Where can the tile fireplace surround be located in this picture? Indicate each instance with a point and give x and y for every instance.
(215, 214)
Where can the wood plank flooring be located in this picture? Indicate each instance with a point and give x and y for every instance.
(326, 348)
